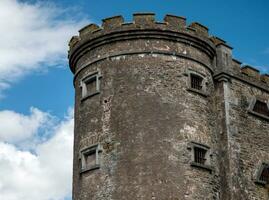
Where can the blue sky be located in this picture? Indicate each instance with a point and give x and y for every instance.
(242, 23)
(36, 91)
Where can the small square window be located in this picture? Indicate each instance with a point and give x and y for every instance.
(200, 156)
(263, 174)
(90, 85)
(90, 158)
(259, 108)
(196, 82)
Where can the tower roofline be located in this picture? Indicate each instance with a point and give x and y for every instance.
(144, 26)
(173, 27)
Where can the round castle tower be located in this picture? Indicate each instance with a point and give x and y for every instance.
(144, 125)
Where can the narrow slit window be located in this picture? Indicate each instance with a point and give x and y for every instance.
(226, 59)
(199, 155)
(261, 108)
(196, 82)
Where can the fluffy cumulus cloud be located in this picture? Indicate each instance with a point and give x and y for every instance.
(35, 148)
(42, 173)
(25, 127)
(31, 35)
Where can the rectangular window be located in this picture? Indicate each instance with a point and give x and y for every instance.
(263, 174)
(90, 85)
(90, 158)
(196, 82)
(199, 155)
(261, 107)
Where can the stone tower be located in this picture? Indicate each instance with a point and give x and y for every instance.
(163, 111)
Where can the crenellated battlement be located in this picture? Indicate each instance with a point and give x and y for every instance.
(254, 73)
(245, 71)
(218, 41)
(140, 21)
(116, 28)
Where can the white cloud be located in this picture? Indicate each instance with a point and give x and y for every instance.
(43, 175)
(35, 149)
(31, 35)
(15, 127)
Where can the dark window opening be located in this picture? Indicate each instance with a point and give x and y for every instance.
(196, 82)
(90, 160)
(199, 155)
(261, 107)
(226, 59)
(91, 86)
(265, 175)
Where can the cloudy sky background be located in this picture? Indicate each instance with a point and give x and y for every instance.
(36, 92)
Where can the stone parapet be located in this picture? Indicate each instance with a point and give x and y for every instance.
(145, 26)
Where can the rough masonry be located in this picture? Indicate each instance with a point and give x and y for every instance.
(164, 112)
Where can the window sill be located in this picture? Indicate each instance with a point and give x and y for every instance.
(89, 95)
(200, 92)
(259, 115)
(94, 167)
(263, 183)
(198, 165)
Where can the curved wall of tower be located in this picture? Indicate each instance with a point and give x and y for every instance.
(145, 113)
(145, 116)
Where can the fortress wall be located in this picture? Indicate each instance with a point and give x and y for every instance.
(248, 141)
(145, 119)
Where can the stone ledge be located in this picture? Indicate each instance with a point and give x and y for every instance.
(229, 76)
(167, 53)
(202, 93)
(177, 37)
(206, 167)
(94, 167)
(258, 115)
(90, 95)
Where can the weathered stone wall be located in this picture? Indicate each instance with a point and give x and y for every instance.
(147, 120)
(248, 140)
